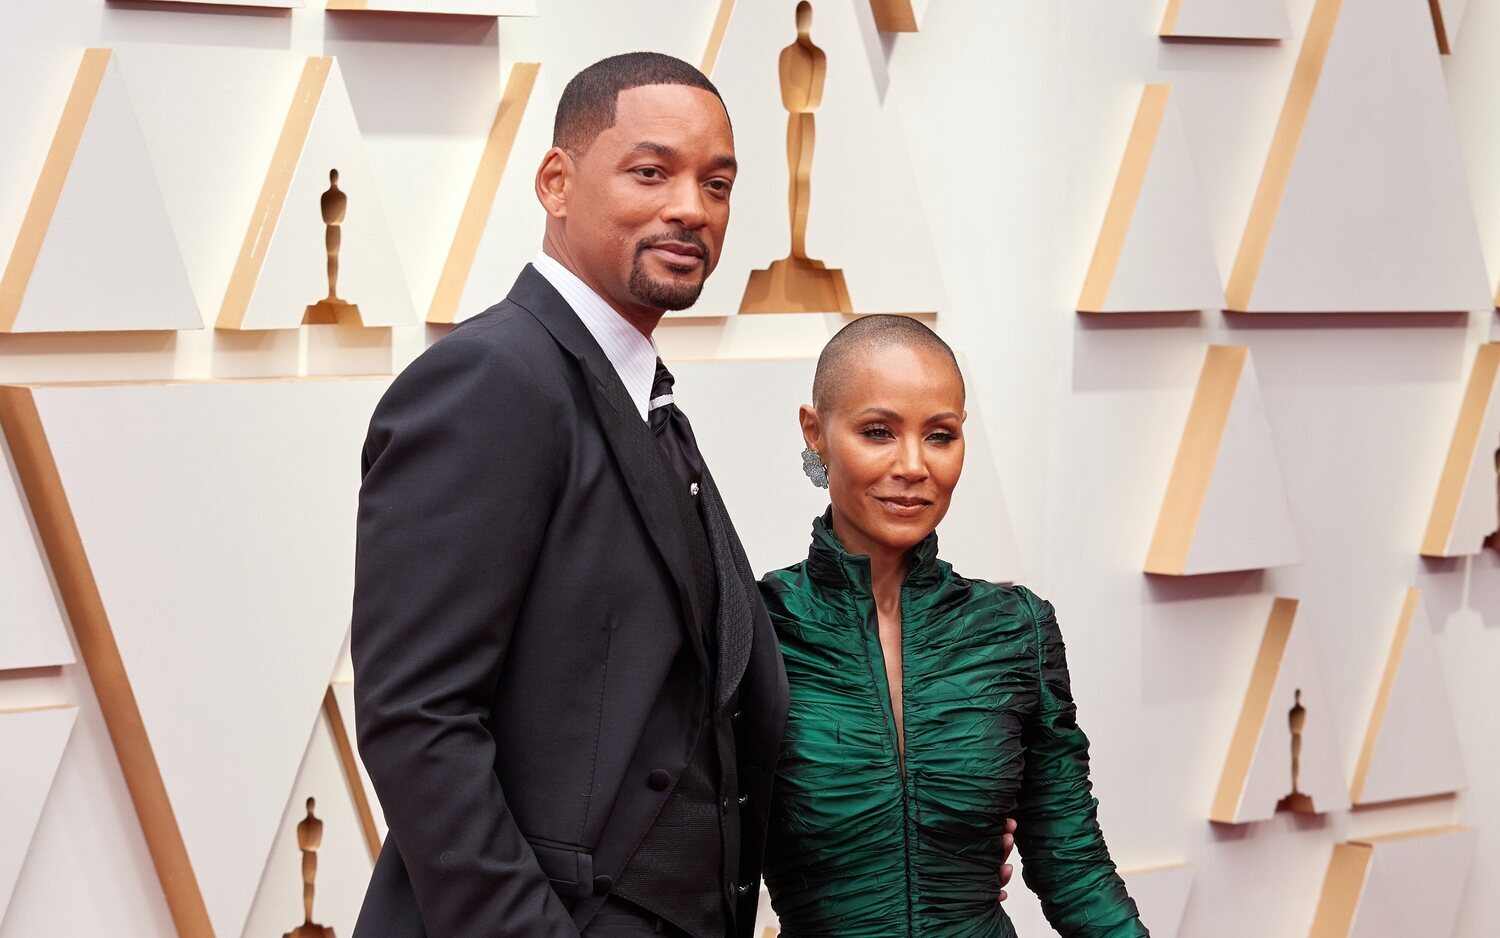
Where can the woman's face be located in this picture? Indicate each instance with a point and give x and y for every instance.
(892, 439)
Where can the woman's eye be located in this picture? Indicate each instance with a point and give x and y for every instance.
(877, 433)
(943, 436)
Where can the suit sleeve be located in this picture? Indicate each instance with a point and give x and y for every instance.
(462, 468)
(1067, 864)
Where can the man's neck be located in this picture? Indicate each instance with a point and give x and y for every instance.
(643, 319)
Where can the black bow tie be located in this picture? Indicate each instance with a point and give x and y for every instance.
(673, 432)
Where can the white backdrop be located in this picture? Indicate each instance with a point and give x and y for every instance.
(1014, 116)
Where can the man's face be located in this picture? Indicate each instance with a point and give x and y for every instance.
(649, 199)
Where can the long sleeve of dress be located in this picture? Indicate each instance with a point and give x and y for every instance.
(1066, 863)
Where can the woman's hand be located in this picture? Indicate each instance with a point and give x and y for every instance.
(1006, 846)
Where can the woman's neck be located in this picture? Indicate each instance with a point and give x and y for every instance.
(888, 566)
(887, 573)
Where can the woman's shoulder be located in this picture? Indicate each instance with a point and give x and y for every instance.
(1005, 599)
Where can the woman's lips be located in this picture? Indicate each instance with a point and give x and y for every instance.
(904, 506)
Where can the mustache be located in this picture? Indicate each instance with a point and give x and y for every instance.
(681, 234)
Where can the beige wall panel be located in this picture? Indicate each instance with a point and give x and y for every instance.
(1467, 508)
(1226, 19)
(502, 224)
(32, 634)
(96, 250)
(1226, 506)
(1396, 885)
(283, 263)
(774, 504)
(1258, 768)
(225, 627)
(1363, 203)
(866, 215)
(1411, 748)
(456, 7)
(1154, 251)
(31, 746)
(343, 862)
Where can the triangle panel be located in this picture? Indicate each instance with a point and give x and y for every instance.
(1466, 511)
(502, 226)
(1225, 506)
(1364, 203)
(1246, 521)
(1284, 754)
(1154, 251)
(96, 250)
(1411, 748)
(227, 697)
(342, 863)
(861, 174)
(283, 266)
(31, 746)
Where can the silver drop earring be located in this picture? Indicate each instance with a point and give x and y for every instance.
(813, 466)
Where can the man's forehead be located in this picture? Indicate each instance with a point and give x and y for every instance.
(690, 110)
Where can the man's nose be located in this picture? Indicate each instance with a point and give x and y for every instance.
(685, 206)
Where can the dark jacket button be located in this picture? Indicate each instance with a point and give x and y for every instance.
(602, 885)
(659, 780)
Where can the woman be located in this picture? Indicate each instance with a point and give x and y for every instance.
(926, 708)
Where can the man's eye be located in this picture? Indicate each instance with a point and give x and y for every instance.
(648, 172)
(720, 186)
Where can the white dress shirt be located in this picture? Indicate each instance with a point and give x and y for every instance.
(632, 354)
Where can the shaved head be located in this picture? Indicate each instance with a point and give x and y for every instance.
(866, 334)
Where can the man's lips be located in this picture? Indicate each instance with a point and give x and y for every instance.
(679, 251)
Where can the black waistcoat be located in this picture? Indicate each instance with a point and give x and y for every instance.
(687, 866)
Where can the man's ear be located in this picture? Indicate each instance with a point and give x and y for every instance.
(553, 180)
(812, 428)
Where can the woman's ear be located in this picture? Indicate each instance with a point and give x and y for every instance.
(812, 428)
(552, 179)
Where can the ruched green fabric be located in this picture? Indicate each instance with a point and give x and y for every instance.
(860, 847)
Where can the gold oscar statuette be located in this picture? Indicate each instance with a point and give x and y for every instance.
(335, 203)
(1296, 722)
(309, 839)
(798, 283)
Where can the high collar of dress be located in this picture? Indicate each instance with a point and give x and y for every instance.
(833, 567)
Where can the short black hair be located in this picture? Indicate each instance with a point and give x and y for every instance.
(871, 332)
(587, 105)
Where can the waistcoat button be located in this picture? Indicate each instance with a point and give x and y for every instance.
(659, 780)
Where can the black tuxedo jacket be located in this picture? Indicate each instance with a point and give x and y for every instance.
(530, 672)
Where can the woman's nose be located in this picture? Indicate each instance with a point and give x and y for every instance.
(911, 462)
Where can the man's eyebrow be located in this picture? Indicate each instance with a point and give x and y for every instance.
(657, 149)
(722, 161)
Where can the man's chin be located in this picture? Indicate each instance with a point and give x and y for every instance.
(666, 294)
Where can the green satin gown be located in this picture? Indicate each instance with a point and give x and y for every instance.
(862, 847)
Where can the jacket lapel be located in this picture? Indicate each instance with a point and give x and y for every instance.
(635, 448)
(737, 605)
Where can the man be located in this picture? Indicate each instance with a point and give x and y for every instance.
(570, 700)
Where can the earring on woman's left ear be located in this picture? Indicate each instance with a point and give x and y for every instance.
(812, 465)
